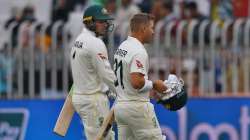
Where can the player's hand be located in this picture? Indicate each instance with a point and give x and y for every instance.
(105, 89)
(111, 95)
(159, 86)
(155, 96)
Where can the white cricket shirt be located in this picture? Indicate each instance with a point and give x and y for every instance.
(130, 57)
(90, 65)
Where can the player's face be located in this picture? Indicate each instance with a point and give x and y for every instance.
(101, 27)
(149, 32)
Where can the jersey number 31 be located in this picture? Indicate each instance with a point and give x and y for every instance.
(118, 66)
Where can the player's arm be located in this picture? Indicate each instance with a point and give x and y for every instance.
(143, 85)
(137, 75)
(103, 67)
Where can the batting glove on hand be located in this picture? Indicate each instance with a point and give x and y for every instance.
(174, 85)
(105, 89)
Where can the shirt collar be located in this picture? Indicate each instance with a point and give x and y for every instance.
(85, 30)
(136, 40)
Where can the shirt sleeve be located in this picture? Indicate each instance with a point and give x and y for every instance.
(101, 64)
(138, 63)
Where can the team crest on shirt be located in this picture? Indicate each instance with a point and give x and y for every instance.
(139, 64)
(102, 56)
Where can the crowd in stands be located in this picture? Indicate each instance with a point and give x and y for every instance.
(123, 10)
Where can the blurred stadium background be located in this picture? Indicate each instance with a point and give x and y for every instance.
(204, 41)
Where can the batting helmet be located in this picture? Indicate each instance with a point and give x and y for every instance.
(96, 12)
(175, 102)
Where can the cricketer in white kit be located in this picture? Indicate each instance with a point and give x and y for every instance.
(90, 70)
(134, 114)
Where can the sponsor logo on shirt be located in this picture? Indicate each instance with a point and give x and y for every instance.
(139, 64)
(102, 56)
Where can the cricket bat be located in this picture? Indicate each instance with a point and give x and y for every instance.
(65, 116)
(106, 125)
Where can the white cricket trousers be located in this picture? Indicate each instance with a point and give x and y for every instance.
(92, 109)
(137, 121)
